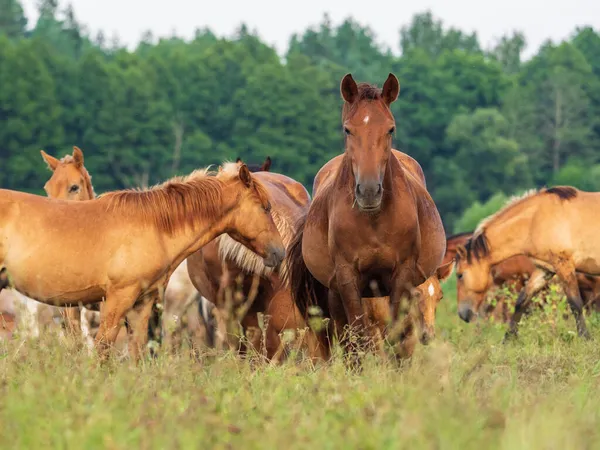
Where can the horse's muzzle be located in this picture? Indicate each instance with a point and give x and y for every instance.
(427, 335)
(465, 312)
(275, 255)
(369, 196)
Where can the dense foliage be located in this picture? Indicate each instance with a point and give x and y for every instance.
(480, 122)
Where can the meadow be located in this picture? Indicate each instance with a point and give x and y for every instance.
(465, 390)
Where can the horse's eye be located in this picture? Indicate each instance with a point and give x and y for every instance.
(268, 208)
(74, 188)
(347, 131)
(392, 130)
(459, 276)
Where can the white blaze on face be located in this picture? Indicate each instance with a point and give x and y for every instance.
(366, 120)
(430, 289)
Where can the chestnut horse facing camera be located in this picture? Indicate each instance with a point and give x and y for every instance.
(124, 245)
(427, 295)
(215, 268)
(554, 228)
(513, 272)
(373, 225)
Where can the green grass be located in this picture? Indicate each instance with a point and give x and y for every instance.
(466, 390)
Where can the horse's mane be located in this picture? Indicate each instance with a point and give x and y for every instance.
(87, 179)
(246, 259)
(176, 203)
(478, 245)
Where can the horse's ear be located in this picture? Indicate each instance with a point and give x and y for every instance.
(245, 175)
(238, 160)
(267, 164)
(445, 270)
(78, 157)
(461, 251)
(391, 89)
(349, 89)
(50, 160)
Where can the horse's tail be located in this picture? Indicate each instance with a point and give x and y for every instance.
(306, 291)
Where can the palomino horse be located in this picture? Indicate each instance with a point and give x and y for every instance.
(70, 180)
(427, 295)
(551, 227)
(374, 230)
(215, 267)
(512, 273)
(124, 245)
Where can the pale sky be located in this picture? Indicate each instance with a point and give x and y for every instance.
(277, 20)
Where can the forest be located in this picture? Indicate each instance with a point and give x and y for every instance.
(483, 122)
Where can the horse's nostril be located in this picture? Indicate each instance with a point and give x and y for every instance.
(358, 189)
(379, 188)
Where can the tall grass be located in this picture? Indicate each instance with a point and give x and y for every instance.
(465, 390)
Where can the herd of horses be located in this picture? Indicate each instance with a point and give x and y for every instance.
(360, 263)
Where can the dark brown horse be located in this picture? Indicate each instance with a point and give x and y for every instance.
(216, 269)
(264, 167)
(373, 230)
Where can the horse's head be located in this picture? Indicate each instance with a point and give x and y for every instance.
(369, 126)
(264, 167)
(473, 277)
(428, 295)
(70, 180)
(251, 223)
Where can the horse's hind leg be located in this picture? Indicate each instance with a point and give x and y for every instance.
(538, 280)
(565, 270)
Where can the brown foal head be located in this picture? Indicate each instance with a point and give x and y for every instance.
(369, 126)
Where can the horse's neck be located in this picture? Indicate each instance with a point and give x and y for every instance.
(190, 239)
(509, 236)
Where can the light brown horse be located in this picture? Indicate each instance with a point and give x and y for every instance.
(512, 273)
(551, 227)
(427, 295)
(215, 268)
(374, 225)
(70, 180)
(124, 245)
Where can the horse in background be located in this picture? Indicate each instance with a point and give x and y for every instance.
(70, 180)
(124, 245)
(554, 228)
(373, 230)
(264, 167)
(235, 280)
(512, 273)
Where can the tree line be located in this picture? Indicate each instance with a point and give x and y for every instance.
(483, 123)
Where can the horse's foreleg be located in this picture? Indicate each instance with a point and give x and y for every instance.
(400, 303)
(538, 280)
(137, 324)
(357, 320)
(118, 303)
(565, 270)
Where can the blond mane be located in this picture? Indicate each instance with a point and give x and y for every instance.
(512, 201)
(246, 259)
